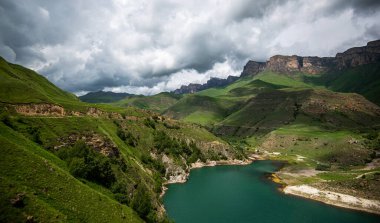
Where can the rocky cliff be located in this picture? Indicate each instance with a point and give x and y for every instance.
(253, 68)
(213, 82)
(359, 55)
(352, 57)
(291, 64)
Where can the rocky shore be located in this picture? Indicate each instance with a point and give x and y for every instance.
(333, 198)
(182, 178)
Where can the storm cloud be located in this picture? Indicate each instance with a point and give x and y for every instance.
(148, 46)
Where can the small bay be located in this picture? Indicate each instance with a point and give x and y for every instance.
(244, 194)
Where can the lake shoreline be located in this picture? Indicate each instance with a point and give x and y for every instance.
(333, 198)
(304, 191)
(183, 178)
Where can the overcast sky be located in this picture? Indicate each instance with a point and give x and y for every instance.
(149, 46)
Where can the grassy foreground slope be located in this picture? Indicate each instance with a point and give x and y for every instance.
(37, 185)
(21, 85)
(65, 160)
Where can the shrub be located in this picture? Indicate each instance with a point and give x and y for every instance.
(127, 137)
(168, 126)
(85, 163)
(156, 164)
(35, 134)
(121, 198)
(149, 123)
(323, 167)
(372, 135)
(5, 118)
(121, 134)
(141, 201)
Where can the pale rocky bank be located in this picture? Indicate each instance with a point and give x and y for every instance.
(334, 198)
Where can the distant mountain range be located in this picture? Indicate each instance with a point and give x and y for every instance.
(103, 97)
(213, 82)
(351, 58)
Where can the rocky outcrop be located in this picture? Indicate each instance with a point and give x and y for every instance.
(359, 55)
(353, 57)
(59, 111)
(40, 109)
(95, 141)
(252, 68)
(334, 198)
(94, 112)
(213, 82)
(315, 65)
(188, 89)
(293, 64)
(284, 64)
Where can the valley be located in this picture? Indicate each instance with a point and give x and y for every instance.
(64, 160)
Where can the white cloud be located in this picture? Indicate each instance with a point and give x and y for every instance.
(151, 46)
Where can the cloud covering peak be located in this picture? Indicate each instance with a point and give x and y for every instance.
(152, 46)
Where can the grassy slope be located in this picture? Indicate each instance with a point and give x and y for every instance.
(51, 193)
(214, 105)
(30, 166)
(158, 103)
(364, 80)
(50, 131)
(16, 80)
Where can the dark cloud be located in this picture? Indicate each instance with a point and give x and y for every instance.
(150, 46)
(363, 7)
(254, 9)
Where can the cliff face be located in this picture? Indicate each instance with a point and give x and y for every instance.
(191, 88)
(359, 55)
(253, 68)
(314, 65)
(290, 64)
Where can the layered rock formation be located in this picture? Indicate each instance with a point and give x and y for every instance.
(353, 57)
(291, 64)
(359, 55)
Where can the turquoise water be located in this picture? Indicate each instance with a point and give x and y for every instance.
(244, 194)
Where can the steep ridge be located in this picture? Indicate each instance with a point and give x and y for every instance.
(213, 82)
(103, 97)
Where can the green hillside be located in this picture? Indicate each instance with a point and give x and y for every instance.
(63, 160)
(36, 184)
(21, 85)
(103, 97)
(213, 105)
(364, 80)
(158, 103)
(292, 115)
